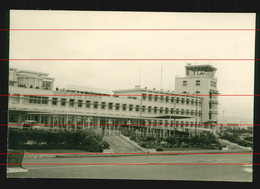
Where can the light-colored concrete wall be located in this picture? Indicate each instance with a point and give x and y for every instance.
(23, 104)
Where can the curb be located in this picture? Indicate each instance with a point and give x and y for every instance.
(150, 154)
(16, 170)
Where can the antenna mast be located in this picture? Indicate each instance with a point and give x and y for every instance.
(161, 75)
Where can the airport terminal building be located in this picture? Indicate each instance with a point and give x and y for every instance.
(192, 107)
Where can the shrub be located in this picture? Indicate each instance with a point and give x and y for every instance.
(159, 149)
(16, 138)
(58, 139)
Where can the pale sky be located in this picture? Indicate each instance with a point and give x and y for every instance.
(234, 77)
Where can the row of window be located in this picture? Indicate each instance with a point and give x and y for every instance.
(213, 84)
(185, 83)
(169, 99)
(111, 106)
(44, 100)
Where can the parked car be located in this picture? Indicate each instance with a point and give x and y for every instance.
(28, 124)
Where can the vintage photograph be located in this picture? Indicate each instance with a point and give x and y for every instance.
(131, 95)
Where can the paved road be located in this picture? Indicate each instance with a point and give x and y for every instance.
(154, 172)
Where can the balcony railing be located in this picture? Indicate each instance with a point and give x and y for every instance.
(195, 76)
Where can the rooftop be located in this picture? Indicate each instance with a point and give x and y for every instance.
(205, 67)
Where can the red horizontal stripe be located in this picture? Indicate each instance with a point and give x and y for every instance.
(42, 124)
(132, 29)
(135, 164)
(129, 95)
(126, 59)
(190, 153)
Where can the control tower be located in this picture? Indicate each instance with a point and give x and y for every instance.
(201, 80)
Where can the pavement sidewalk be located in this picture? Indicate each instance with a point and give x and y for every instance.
(35, 154)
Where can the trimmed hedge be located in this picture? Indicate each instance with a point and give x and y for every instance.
(48, 139)
(201, 141)
(233, 137)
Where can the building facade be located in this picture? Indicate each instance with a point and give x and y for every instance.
(149, 112)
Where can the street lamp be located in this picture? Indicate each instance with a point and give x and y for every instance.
(129, 123)
(109, 126)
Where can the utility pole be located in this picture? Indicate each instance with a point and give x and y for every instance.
(161, 75)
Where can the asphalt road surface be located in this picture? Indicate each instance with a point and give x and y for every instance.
(150, 170)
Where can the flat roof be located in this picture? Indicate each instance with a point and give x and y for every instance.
(194, 67)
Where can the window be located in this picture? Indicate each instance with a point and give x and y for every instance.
(187, 101)
(16, 99)
(95, 104)
(161, 98)
(192, 112)
(166, 110)
(210, 105)
(54, 101)
(63, 102)
(184, 83)
(178, 100)
(31, 99)
(155, 98)
(103, 105)
(124, 107)
(177, 111)
(192, 102)
(80, 102)
(144, 96)
(210, 95)
(45, 100)
(172, 99)
(210, 115)
(117, 106)
(72, 102)
(197, 82)
(143, 108)
(182, 111)
(131, 107)
(182, 100)
(155, 109)
(161, 110)
(150, 97)
(213, 84)
(110, 105)
(172, 110)
(149, 109)
(137, 108)
(88, 104)
(166, 99)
